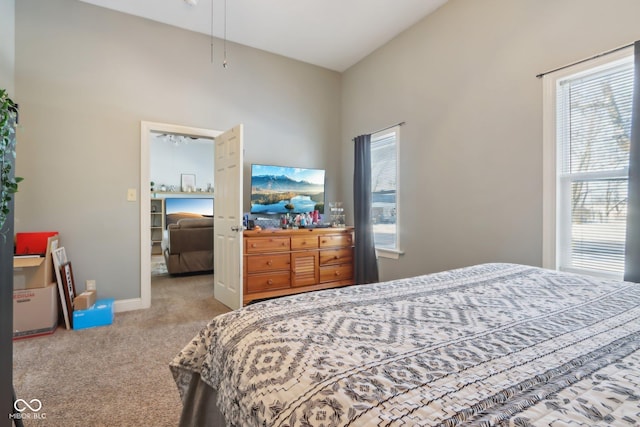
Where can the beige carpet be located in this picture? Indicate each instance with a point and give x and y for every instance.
(116, 375)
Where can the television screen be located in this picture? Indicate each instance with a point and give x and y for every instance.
(279, 189)
(187, 207)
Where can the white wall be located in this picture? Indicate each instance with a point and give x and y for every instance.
(169, 161)
(86, 77)
(464, 81)
(7, 45)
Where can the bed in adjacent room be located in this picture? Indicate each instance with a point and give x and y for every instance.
(492, 344)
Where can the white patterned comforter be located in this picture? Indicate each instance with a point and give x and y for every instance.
(493, 344)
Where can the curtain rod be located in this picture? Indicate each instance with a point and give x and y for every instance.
(585, 60)
(388, 127)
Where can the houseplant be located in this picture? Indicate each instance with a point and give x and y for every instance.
(8, 182)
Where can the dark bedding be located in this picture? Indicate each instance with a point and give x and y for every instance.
(493, 344)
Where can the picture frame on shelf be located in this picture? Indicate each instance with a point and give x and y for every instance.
(188, 182)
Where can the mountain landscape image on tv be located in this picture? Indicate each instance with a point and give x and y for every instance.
(187, 207)
(280, 189)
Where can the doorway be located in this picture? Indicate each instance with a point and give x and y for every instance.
(147, 131)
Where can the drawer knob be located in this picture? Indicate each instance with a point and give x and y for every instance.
(269, 263)
(253, 245)
(336, 257)
(269, 282)
(337, 273)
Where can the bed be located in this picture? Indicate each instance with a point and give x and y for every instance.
(492, 344)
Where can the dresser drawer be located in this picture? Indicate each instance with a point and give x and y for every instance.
(304, 242)
(336, 240)
(304, 268)
(271, 262)
(335, 273)
(266, 244)
(268, 281)
(336, 256)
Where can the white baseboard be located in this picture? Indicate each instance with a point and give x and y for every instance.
(128, 305)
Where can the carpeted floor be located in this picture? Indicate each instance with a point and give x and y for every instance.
(116, 375)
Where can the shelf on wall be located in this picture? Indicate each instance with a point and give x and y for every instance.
(190, 193)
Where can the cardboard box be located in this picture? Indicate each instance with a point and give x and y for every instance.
(35, 311)
(29, 273)
(100, 314)
(84, 300)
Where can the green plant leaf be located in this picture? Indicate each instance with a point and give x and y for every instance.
(9, 184)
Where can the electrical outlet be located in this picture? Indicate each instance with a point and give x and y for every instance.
(131, 195)
(90, 285)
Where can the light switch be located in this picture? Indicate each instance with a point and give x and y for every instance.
(131, 195)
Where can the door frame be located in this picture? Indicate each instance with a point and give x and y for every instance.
(146, 131)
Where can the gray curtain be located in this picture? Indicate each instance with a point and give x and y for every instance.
(366, 264)
(632, 254)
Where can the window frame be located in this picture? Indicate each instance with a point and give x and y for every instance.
(397, 251)
(551, 214)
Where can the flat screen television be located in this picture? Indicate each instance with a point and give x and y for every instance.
(176, 208)
(281, 189)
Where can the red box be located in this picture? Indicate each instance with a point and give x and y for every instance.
(33, 243)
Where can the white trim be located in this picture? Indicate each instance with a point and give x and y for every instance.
(146, 129)
(550, 150)
(127, 305)
(591, 176)
(398, 249)
(549, 259)
(388, 253)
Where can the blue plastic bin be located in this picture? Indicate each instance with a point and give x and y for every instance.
(99, 314)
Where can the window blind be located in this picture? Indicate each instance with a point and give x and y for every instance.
(384, 173)
(383, 163)
(594, 123)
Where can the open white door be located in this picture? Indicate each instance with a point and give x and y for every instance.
(227, 223)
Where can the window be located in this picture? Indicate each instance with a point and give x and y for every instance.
(384, 186)
(587, 137)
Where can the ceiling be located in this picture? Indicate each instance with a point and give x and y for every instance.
(334, 34)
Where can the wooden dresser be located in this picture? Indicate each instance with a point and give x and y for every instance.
(282, 262)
